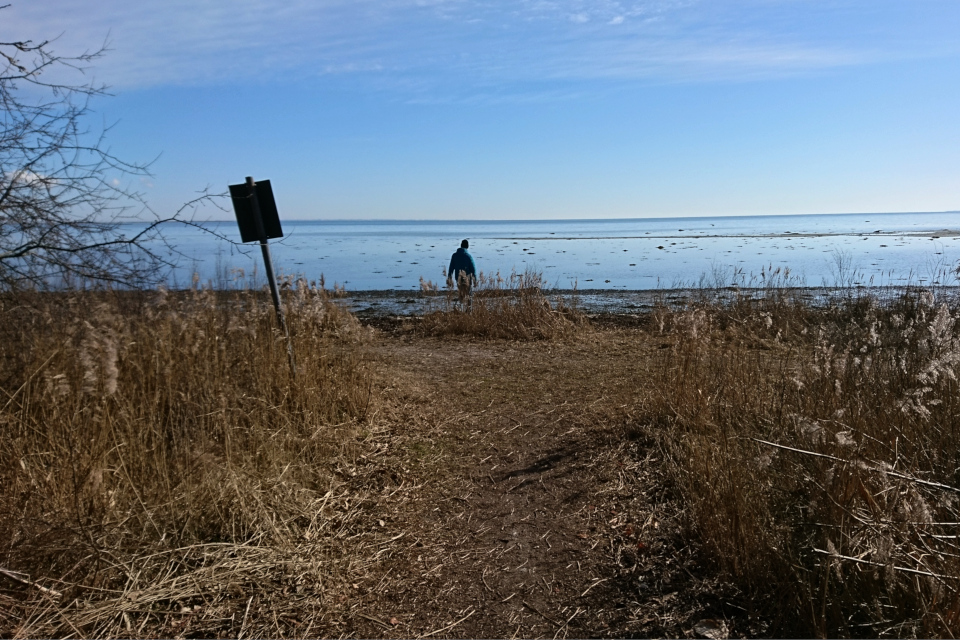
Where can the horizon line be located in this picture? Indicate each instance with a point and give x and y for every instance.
(680, 217)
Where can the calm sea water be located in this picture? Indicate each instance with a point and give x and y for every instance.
(626, 254)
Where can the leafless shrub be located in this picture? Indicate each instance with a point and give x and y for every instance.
(69, 214)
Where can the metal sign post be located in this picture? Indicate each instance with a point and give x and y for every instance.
(258, 219)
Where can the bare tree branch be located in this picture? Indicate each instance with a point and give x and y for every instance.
(66, 212)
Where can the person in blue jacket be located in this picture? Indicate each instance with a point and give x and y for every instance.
(463, 271)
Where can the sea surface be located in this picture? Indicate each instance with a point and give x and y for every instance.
(619, 254)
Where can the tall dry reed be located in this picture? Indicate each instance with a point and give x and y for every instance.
(157, 444)
(817, 450)
(512, 307)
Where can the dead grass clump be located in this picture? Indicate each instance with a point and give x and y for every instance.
(156, 454)
(510, 308)
(820, 472)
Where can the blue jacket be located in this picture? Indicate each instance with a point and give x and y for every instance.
(462, 261)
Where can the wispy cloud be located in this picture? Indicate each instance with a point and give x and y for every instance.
(461, 43)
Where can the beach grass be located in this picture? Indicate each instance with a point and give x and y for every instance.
(163, 471)
(501, 307)
(817, 452)
(156, 448)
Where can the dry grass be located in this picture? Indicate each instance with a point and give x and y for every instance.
(817, 451)
(510, 308)
(164, 473)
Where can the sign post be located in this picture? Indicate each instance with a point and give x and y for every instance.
(257, 217)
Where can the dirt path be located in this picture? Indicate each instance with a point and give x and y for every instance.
(543, 509)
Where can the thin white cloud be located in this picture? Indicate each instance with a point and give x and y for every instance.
(29, 178)
(463, 42)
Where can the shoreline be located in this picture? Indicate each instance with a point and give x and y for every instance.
(415, 303)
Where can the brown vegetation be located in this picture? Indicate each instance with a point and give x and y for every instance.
(163, 473)
(512, 308)
(155, 449)
(817, 452)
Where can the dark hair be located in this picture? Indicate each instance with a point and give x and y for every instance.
(464, 245)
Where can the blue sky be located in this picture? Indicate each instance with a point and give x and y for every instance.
(446, 109)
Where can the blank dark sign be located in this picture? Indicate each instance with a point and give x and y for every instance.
(244, 210)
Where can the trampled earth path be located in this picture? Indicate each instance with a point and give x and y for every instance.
(541, 508)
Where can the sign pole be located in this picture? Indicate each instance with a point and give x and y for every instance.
(268, 265)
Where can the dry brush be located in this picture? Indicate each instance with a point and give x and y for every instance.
(513, 308)
(162, 472)
(817, 452)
